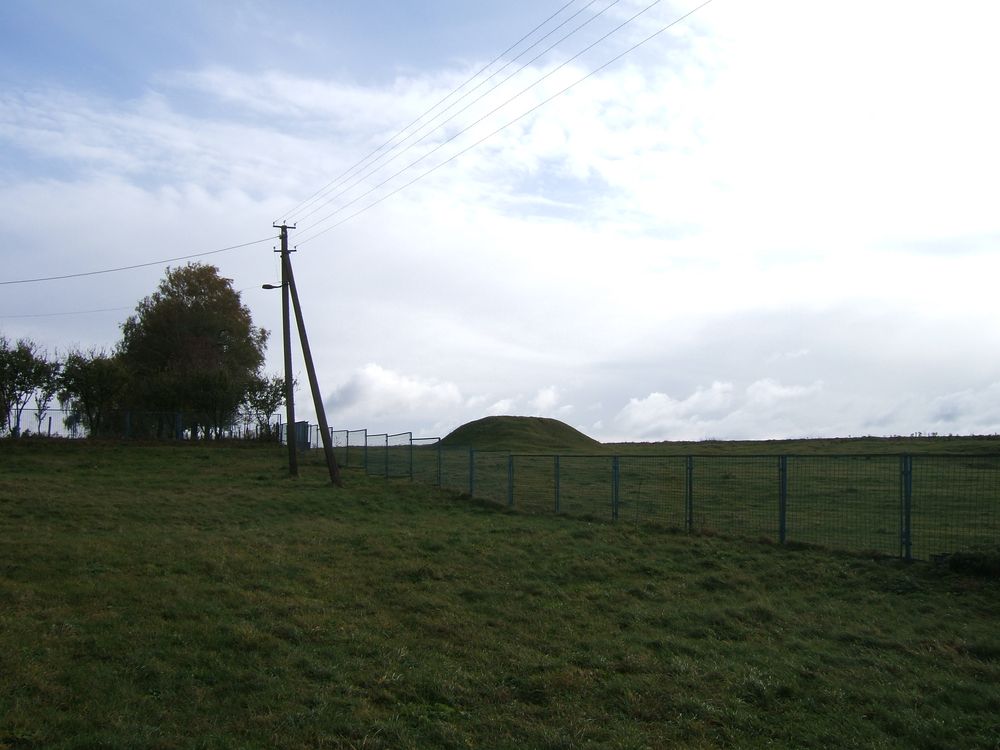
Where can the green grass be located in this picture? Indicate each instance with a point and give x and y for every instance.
(192, 596)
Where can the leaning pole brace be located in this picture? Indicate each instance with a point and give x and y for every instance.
(324, 428)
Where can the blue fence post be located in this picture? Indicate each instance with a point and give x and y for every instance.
(472, 471)
(906, 507)
(782, 498)
(556, 469)
(439, 463)
(385, 458)
(510, 481)
(689, 493)
(614, 488)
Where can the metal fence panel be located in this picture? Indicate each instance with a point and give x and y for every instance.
(377, 455)
(956, 504)
(339, 440)
(427, 460)
(490, 470)
(534, 487)
(585, 486)
(399, 458)
(735, 495)
(848, 502)
(652, 488)
(455, 468)
(356, 451)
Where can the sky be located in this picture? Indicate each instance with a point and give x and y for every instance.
(769, 220)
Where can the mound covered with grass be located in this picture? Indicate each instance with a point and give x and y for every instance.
(524, 434)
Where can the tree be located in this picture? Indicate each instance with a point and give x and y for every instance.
(191, 347)
(91, 386)
(46, 389)
(22, 371)
(264, 396)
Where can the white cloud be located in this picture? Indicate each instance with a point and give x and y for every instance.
(546, 400)
(376, 393)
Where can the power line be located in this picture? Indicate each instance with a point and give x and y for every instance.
(59, 314)
(496, 109)
(538, 106)
(337, 180)
(439, 126)
(137, 265)
(488, 114)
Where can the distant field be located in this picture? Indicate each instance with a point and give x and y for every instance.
(194, 597)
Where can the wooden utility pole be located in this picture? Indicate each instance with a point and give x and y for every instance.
(290, 437)
(288, 289)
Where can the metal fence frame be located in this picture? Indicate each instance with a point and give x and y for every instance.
(908, 506)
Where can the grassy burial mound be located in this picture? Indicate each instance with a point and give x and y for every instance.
(194, 596)
(523, 434)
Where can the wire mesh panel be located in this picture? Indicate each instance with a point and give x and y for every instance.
(377, 455)
(535, 483)
(455, 468)
(735, 495)
(586, 485)
(357, 449)
(490, 470)
(955, 504)
(399, 458)
(339, 440)
(426, 460)
(849, 502)
(652, 488)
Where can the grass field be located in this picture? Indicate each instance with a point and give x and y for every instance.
(192, 596)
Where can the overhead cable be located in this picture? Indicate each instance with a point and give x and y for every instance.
(137, 265)
(520, 117)
(479, 98)
(337, 180)
(60, 314)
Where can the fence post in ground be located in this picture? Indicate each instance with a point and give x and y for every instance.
(472, 471)
(439, 463)
(556, 469)
(689, 493)
(614, 488)
(906, 507)
(385, 457)
(510, 481)
(178, 427)
(782, 498)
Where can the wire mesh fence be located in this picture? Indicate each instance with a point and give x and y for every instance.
(426, 458)
(377, 454)
(399, 458)
(909, 506)
(906, 506)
